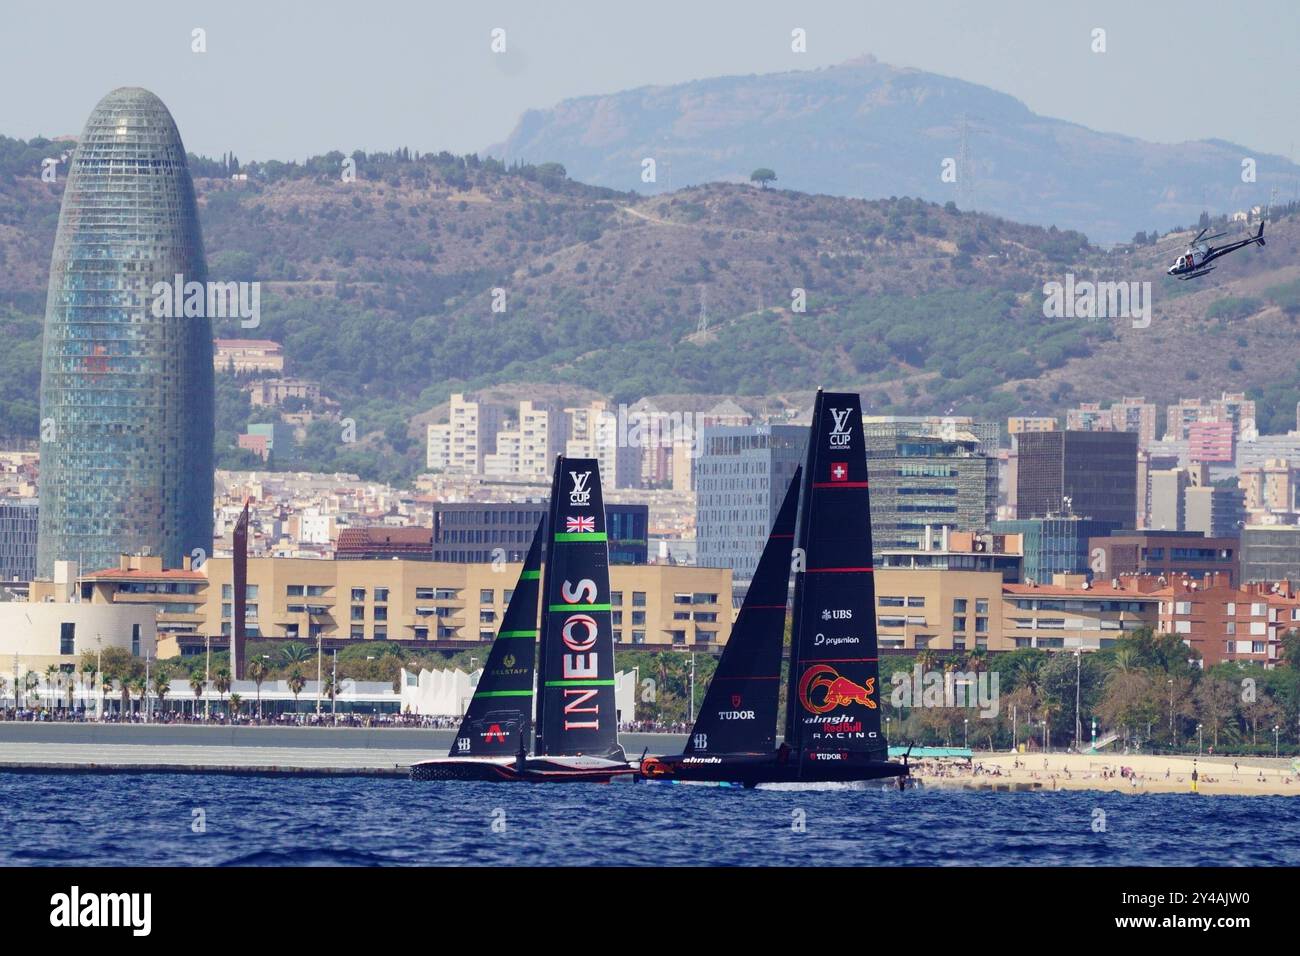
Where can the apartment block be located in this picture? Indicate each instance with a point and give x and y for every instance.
(415, 602)
(1167, 554)
(929, 472)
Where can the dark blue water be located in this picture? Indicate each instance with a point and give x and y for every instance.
(91, 819)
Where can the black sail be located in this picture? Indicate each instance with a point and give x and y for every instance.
(576, 712)
(833, 709)
(739, 710)
(499, 717)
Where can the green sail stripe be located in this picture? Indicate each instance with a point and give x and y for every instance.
(517, 634)
(529, 575)
(504, 693)
(596, 536)
(579, 607)
(579, 683)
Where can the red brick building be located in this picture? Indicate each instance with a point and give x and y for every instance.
(1227, 623)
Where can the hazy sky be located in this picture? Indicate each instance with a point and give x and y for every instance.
(288, 79)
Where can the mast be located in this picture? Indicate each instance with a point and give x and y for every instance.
(499, 717)
(548, 526)
(833, 704)
(739, 710)
(576, 706)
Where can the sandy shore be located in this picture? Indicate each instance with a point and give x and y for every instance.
(1252, 776)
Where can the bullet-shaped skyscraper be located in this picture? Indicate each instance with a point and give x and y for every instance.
(126, 396)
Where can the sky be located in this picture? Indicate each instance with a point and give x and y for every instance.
(284, 79)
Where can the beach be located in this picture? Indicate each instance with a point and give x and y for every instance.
(1218, 776)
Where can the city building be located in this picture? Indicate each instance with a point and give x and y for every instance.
(470, 434)
(594, 433)
(380, 543)
(1056, 545)
(56, 629)
(1135, 415)
(276, 391)
(961, 551)
(425, 602)
(929, 472)
(18, 524)
(1232, 407)
(1070, 613)
(126, 395)
(270, 441)
(741, 476)
(247, 355)
(1167, 510)
(945, 610)
(1272, 488)
(1092, 474)
(1270, 553)
(1020, 424)
(1216, 511)
(1212, 442)
(480, 532)
(1167, 554)
(1128, 415)
(1227, 623)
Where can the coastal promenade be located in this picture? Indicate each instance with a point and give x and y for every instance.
(181, 748)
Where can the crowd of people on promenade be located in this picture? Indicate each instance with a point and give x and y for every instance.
(306, 719)
(221, 718)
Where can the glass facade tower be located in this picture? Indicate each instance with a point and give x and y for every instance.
(126, 395)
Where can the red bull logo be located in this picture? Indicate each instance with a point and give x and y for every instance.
(822, 689)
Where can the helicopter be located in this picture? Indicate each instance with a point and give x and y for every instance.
(1195, 262)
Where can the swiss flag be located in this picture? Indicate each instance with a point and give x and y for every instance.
(839, 471)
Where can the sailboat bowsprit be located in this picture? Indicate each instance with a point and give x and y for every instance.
(832, 727)
(577, 721)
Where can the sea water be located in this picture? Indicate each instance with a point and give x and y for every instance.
(211, 819)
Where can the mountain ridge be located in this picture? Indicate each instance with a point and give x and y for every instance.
(891, 128)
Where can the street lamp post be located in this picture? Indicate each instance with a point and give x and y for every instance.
(207, 676)
(318, 676)
(691, 707)
(1045, 741)
(1078, 675)
(99, 672)
(965, 733)
(334, 681)
(146, 687)
(1276, 728)
(1200, 738)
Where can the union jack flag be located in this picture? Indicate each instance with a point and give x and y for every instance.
(580, 525)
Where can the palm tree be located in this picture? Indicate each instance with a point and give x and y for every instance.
(105, 687)
(331, 687)
(295, 653)
(89, 671)
(162, 685)
(235, 702)
(927, 659)
(296, 683)
(3, 685)
(137, 686)
(256, 671)
(197, 685)
(222, 682)
(33, 682)
(51, 672)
